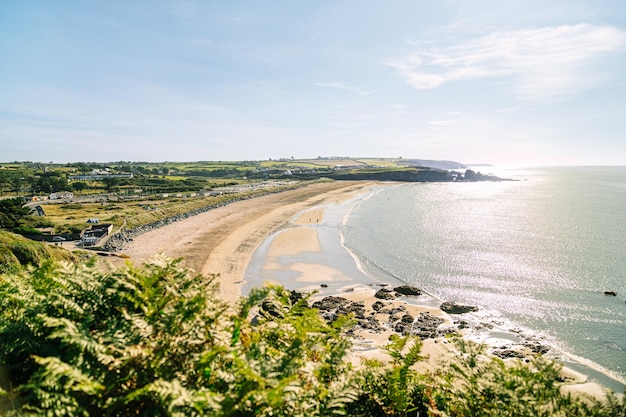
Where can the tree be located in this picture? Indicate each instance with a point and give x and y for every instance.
(51, 182)
(110, 182)
(79, 186)
(12, 210)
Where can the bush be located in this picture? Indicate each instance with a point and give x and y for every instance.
(17, 252)
(156, 341)
(40, 221)
(69, 229)
(25, 230)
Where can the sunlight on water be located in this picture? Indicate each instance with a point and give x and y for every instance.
(540, 251)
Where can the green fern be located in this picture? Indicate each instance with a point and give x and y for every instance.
(155, 341)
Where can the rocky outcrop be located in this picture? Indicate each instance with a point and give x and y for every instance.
(385, 294)
(477, 176)
(332, 307)
(407, 290)
(451, 307)
(414, 174)
(405, 175)
(424, 326)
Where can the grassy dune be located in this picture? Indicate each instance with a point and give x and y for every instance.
(17, 251)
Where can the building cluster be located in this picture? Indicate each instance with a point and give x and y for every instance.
(98, 175)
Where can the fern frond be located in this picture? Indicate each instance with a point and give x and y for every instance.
(61, 377)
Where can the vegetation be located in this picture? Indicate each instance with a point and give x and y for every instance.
(155, 341)
(17, 252)
(95, 185)
(12, 213)
(28, 178)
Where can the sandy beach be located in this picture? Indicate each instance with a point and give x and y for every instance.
(222, 242)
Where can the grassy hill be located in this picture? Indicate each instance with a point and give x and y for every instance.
(17, 251)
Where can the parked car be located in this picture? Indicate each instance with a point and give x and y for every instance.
(58, 239)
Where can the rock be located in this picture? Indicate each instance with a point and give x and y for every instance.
(407, 318)
(385, 294)
(357, 308)
(451, 307)
(537, 348)
(407, 290)
(462, 324)
(403, 328)
(428, 320)
(330, 303)
(332, 307)
(378, 305)
(426, 326)
(509, 354)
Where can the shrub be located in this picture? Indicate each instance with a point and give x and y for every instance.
(25, 230)
(155, 341)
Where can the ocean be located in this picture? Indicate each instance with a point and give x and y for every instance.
(535, 255)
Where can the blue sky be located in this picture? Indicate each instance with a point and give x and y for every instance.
(503, 82)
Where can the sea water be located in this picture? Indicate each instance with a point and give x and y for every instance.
(537, 253)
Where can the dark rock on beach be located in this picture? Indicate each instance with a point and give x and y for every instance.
(378, 305)
(451, 307)
(332, 307)
(508, 354)
(424, 325)
(385, 294)
(537, 348)
(407, 290)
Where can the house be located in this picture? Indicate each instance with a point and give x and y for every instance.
(61, 194)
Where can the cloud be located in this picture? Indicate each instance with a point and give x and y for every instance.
(343, 86)
(543, 62)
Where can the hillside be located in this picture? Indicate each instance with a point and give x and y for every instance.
(17, 251)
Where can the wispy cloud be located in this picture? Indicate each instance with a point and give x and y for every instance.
(343, 86)
(549, 61)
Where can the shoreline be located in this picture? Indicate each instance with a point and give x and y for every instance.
(301, 266)
(221, 241)
(224, 240)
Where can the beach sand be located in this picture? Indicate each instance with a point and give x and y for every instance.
(222, 241)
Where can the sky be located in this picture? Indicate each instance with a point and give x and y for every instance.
(502, 82)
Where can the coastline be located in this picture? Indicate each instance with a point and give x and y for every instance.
(221, 241)
(297, 257)
(290, 231)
